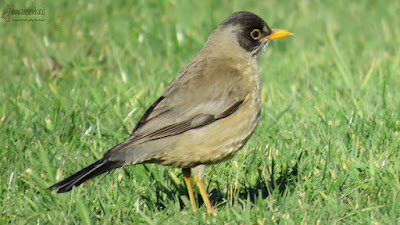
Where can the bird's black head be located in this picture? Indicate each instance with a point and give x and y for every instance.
(252, 29)
(252, 32)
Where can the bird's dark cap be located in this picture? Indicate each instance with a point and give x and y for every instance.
(248, 22)
(246, 19)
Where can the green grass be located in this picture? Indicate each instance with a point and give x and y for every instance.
(326, 150)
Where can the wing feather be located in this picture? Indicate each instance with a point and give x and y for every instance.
(197, 97)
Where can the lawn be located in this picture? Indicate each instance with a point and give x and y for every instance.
(326, 149)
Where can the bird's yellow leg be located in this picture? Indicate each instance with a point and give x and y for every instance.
(186, 177)
(203, 194)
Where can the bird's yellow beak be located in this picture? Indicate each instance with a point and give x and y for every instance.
(277, 34)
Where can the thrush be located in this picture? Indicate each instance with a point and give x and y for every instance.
(205, 115)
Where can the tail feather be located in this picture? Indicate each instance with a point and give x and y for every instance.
(76, 179)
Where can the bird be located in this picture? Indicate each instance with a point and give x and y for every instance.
(205, 115)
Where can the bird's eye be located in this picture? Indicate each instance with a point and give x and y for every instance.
(255, 34)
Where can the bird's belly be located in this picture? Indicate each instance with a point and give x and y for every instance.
(215, 142)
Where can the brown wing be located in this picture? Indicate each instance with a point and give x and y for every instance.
(196, 97)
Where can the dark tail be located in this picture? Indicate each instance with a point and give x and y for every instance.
(97, 168)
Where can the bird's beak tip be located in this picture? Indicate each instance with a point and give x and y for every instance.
(278, 34)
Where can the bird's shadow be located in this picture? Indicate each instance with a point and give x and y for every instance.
(262, 189)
